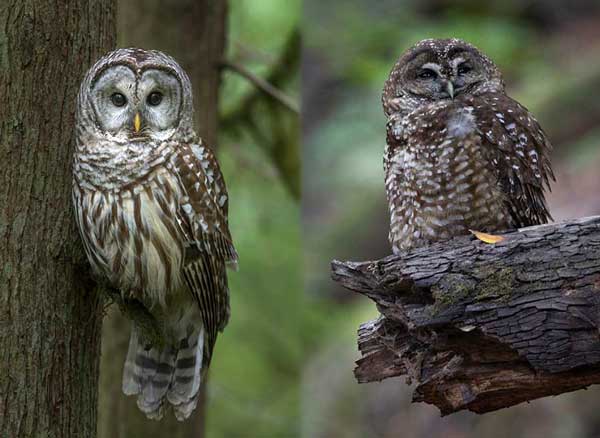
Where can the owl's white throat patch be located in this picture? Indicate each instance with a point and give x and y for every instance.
(462, 123)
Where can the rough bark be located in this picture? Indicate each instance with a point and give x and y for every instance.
(479, 326)
(194, 33)
(50, 317)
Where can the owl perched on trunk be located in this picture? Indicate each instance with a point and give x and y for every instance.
(460, 153)
(151, 206)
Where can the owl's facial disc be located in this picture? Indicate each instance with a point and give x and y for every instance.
(435, 77)
(426, 76)
(135, 107)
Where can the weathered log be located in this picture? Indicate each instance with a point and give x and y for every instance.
(482, 326)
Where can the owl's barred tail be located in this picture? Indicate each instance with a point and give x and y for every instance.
(171, 375)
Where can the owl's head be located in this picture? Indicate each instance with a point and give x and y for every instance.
(135, 94)
(436, 69)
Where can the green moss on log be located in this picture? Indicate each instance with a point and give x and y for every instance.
(496, 284)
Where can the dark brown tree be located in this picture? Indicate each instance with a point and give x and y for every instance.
(50, 315)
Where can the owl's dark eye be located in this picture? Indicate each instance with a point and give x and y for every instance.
(154, 98)
(463, 69)
(426, 73)
(118, 99)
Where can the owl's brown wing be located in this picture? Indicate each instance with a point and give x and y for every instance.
(210, 201)
(519, 151)
(210, 248)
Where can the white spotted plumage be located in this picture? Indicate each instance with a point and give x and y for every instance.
(460, 154)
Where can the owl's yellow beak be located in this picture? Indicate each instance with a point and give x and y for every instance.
(137, 122)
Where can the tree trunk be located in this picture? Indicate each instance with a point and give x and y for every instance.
(50, 317)
(483, 327)
(194, 33)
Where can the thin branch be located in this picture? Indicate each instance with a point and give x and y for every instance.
(284, 69)
(262, 85)
(280, 143)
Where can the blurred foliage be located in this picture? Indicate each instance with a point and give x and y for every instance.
(265, 39)
(255, 376)
(549, 53)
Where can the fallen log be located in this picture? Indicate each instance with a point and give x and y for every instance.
(483, 326)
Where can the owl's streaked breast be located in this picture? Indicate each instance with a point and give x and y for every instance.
(132, 236)
(108, 165)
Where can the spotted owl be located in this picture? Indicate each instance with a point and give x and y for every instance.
(460, 153)
(152, 210)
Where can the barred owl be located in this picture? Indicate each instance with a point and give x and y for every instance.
(460, 153)
(151, 206)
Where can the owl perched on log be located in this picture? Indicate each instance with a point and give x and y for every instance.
(151, 206)
(460, 153)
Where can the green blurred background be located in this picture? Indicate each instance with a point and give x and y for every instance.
(253, 388)
(549, 52)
